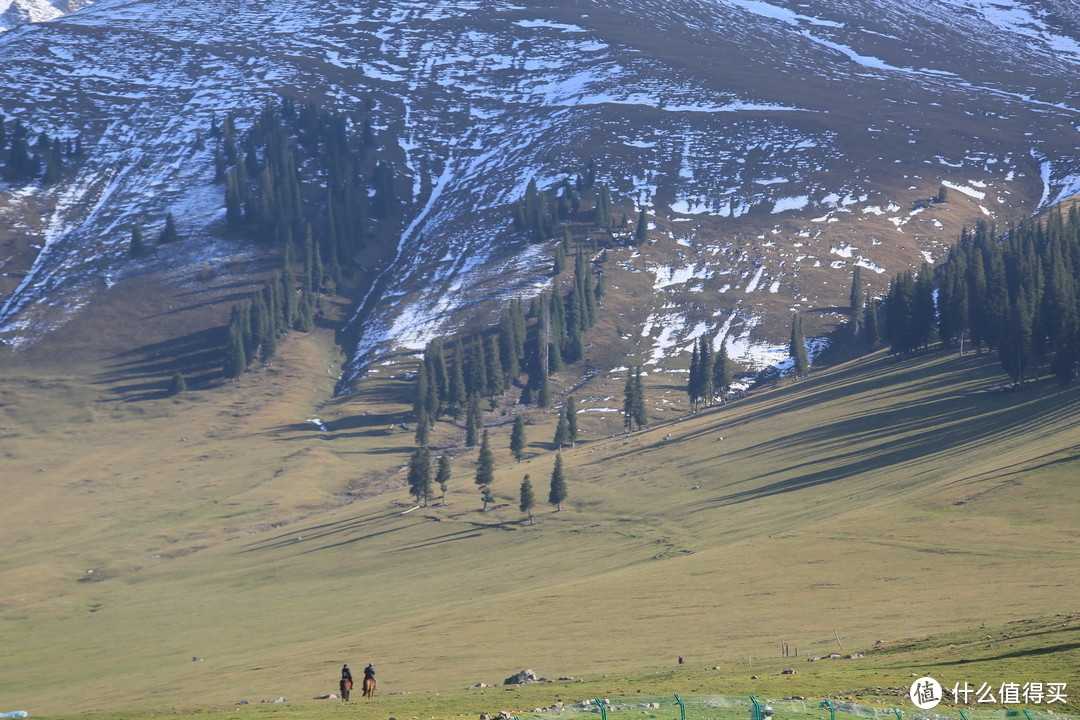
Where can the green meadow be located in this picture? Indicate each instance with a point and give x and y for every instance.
(174, 555)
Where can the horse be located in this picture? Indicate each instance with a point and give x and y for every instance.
(369, 687)
(346, 688)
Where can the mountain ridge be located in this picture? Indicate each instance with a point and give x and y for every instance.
(788, 157)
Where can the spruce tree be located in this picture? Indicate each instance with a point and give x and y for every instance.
(419, 479)
(168, 232)
(693, 382)
(871, 332)
(442, 475)
(137, 248)
(485, 470)
(177, 384)
(557, 492)
(457, 396)
(641, 417)
(473, 421)
(641, 234)
(705, 365)
(797, 346)
(527, 500)
(423, 431)
(634, 413)
(562, 431)
(517, 438)
(559, 264)
(571, 420)
(54, 163)
(235, 355)
(856, 301)
(722, 376)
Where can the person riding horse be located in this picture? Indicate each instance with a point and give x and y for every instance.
(346, 682)
(369, 681)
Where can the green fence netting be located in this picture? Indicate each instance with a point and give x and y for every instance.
(748, 707)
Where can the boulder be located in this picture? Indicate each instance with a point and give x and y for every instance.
(520, 678)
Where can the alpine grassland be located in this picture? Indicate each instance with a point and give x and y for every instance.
(242, 540)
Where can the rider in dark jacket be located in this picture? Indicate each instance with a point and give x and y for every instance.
(346, 674)
(369, 671)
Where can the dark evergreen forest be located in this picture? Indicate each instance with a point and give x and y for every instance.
(1013, 293)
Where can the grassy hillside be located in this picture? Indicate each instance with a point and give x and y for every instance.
(877, 500)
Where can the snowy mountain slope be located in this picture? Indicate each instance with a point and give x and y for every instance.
(14, 13)
(798, 137)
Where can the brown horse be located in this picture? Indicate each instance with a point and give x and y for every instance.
(369, 687)
(346, 688)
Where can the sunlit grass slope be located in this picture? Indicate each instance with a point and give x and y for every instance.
(877, 500)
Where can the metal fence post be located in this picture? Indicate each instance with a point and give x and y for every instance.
(832, 710)
(898, 715)
(603, 710)
(682, 708)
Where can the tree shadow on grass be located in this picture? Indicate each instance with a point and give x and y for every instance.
(314, 532)
(143, 373)
(1063, 648)
(943, 425)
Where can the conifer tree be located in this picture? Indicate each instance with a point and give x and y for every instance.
(557, 492)
(168, 232)
(571, 420)
(634, 413)
(641, 233)
(693, 382)
(705, 368)
(641, 418)
(797, 346)
(423, 431)
(562, 431)
(485, 470)
(442, 475)
(457, 395)
(473, 421)
(496, 378)
(235, 355)
(517, 438)
(722, 375)
(137, 248)
(871, 333)
(305, 315)
(177, 384)
(476, 378)
(526, 500)
(543, 392)
(419, 479)
(1015, 350)
(234, 204)
(54, 163)
(856, 301)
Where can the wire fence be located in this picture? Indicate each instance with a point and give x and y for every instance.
(748, 707)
